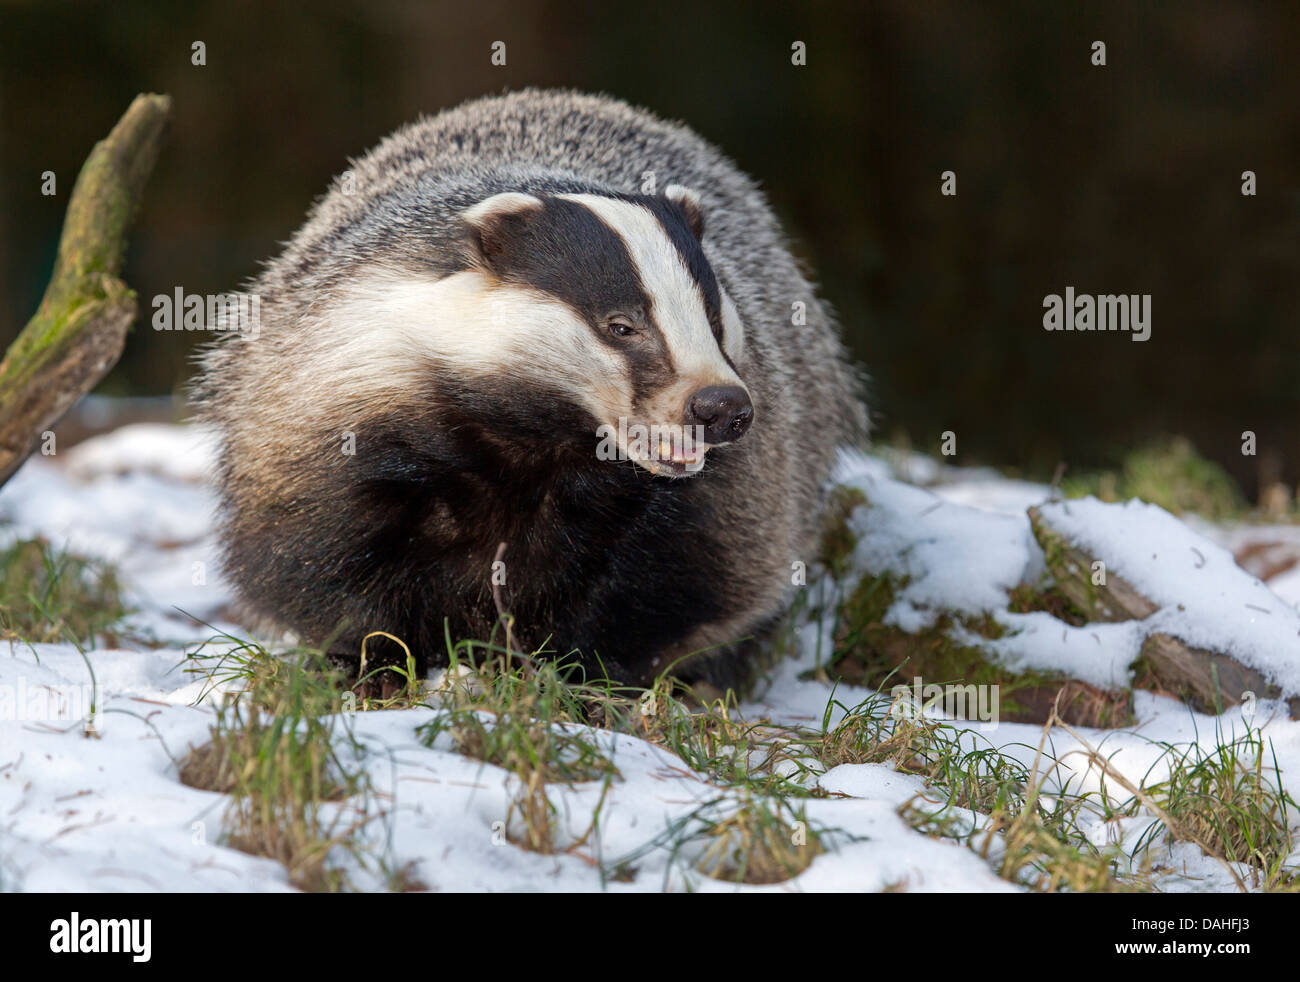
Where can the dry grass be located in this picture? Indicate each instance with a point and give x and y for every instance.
(527, 717)
(764, 840)
(1230, 801)
(274, 750)
(47, 596)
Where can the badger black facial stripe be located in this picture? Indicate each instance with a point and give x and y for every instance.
(567, 251)
(692, 334)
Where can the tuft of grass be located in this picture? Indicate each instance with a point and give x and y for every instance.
(526, 716)
(1029, 840)
(1170, 474)
(981, 779)
(1036, 854)
(274, 750)
(49, 596)
(764, 839)
(1229, 800)
(742, 836)
(714, 739)
(1036, 838)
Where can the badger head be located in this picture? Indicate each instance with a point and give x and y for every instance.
(604, 302)
(612, 300)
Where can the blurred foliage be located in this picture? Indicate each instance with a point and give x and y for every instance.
(1117, 179)
(1170, 474)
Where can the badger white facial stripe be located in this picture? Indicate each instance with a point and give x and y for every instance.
(385, 330)
(733, 331)
(678, 302)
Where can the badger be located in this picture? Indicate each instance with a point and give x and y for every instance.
(543, 355)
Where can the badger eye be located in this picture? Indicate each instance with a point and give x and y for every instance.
(621, 329)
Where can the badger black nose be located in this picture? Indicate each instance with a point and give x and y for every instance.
(724, 411)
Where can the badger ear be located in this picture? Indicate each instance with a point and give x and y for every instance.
(689, 202)
(495, 223)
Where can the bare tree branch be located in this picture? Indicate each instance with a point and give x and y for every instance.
(78, 332)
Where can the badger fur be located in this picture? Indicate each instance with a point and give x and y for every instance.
(474, 309)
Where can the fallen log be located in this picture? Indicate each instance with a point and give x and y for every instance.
(1207, 680)
(1114, 600)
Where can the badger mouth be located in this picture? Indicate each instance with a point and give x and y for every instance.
(679, 466)
(669, 460)
(663, 450)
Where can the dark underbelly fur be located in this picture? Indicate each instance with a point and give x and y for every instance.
(605, 564)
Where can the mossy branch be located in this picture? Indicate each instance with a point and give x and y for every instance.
(79, 330)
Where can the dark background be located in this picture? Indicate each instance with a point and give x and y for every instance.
(1122, 179)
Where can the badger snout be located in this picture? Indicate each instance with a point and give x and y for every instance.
(724, 411)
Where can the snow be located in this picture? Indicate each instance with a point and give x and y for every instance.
(1206, 599)
(952, 556)
(1099, 654)
(957, 555)
(136, 498)
(108, 812)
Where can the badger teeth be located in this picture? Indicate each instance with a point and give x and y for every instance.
(691, 458)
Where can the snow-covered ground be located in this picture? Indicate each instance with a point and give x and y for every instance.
(109, 813)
